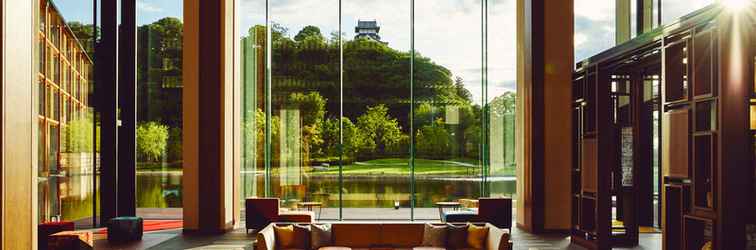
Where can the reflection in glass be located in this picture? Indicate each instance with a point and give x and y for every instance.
(159, 113)
(66, 148)
(372, 120)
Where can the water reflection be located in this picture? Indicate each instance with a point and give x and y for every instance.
(163, 190)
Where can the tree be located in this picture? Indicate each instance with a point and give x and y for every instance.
(85, 34)
(159, 71)
(78, 136)
(152, 138)
(309, 31)
(433, 141)
(503, 104)
(462, 92)
(381, 131)
(354, 139)
(424, 115)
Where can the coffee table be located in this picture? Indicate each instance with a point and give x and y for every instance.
(446, 204)
(310, 205)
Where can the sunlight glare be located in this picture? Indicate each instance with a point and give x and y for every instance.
(736, 5)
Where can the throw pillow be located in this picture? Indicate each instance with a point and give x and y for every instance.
(320, 236)
(456, 237)
(301, 237)
(476, 236)
(285, 237)
(434, 236)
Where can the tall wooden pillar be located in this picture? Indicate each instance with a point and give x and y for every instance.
(18, 126)
(211, 105)
(734, 178)
(545, 65)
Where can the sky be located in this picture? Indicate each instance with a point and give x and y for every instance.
(449, 32)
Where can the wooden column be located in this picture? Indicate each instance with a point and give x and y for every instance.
(210, 117)
(545, 64)
(733, 176)
(18, 127)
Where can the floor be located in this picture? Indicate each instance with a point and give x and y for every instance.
(239, 239)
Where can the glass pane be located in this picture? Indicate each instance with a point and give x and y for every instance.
(66, 150)
(159, 113)
(594, 27)
(376, 120)
(304, 106)
(448, 92)
(253, 82)
(674, 9)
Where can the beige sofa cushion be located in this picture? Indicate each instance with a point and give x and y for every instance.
(428, 248)
(434, 236)
(356, 235)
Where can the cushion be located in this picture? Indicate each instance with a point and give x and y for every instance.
(434, 236)
(476, 236)
(302, 236)
(320, 236)
(285, 237)
(335, 248)
(456, 236)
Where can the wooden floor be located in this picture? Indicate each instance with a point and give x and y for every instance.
(239, 239)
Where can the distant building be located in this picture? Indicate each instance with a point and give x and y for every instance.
(367, 29)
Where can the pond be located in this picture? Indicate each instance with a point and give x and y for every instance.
(163, 190)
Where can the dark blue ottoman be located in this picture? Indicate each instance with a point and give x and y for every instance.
(460, 216)
(125, 229)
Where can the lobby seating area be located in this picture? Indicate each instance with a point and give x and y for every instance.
(262, 211)
(418, 236)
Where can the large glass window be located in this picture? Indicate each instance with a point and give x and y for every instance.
(377, 110)
(594, 27)
(159, 115)
(66, 142)
(674, 9)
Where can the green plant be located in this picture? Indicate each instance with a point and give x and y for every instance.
(152, 140)
(433, 141)
(382, 132)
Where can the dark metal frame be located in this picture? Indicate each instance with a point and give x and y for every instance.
(115, 72)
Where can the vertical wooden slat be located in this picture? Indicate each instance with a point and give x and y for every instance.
(18, 180)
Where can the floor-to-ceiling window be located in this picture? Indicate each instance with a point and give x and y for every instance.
(66, 121)
(377, 109)
(159, 109)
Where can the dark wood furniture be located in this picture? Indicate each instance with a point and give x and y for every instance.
(706, 66)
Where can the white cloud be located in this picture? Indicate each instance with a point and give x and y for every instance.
(148, 7)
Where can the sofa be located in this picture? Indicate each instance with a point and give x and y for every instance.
(380, 236)
(497, 211)
(259, 212)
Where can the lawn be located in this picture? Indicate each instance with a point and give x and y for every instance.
(394, 166)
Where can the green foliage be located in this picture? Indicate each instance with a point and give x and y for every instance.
(152, 138)
(424, 115)
(354, 139)
(503, 104)
(382, 132)
(434, 141)
(78, 136)
(307, 32)
(85, 34)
